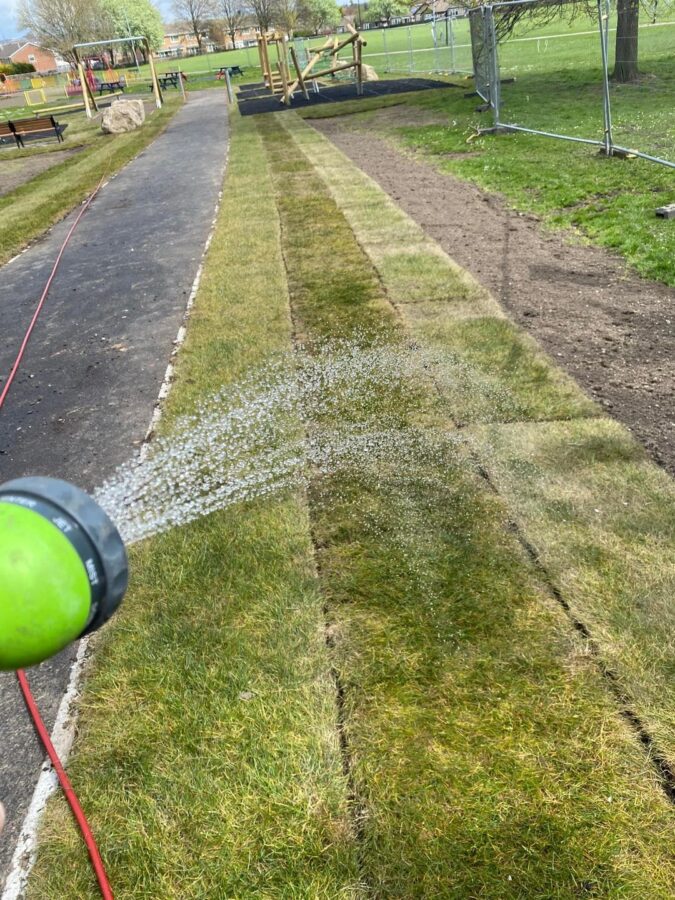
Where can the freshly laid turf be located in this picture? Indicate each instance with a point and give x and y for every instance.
(500, 374)
(370, 691)
(483, 744)
(32, 208)
(602, 520)
(607, 544)
(208, 757)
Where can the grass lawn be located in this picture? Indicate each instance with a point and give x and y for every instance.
(33, 207)
(368, 688)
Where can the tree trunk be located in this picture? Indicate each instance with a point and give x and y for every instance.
(626, 63)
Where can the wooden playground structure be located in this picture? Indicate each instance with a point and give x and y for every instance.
(278, 79)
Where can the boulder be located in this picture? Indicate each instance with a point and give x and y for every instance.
(124, 115)
(369, 73)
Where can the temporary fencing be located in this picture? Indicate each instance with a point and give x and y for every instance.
(554, 79)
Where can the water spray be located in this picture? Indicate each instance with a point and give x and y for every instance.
(63, 569)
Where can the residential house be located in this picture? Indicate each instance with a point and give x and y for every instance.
(428, 10)
(25, 51)
(178, 42)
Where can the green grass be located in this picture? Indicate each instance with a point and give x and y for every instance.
(603, 520)
(494, 372)
(391, 608)
(610, 202)
(558, 88)
(193, 791)
(459, 676)
(36, 205)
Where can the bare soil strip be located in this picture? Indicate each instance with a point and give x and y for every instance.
(611, 330)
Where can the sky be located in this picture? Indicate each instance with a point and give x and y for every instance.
(10, 29)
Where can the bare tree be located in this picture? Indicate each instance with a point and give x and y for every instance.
(58, 24)
(263, 12)
(286, 15)
(196, 14)
(234, 16)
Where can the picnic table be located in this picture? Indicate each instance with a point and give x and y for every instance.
(167, 78)
(111, 86)
(231, 70)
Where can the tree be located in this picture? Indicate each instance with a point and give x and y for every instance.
(628, 15)
(234, 17)
(263, 12)
(626, 56)
(318, 15)
(135, 17)
(195, 14)
(386, 10)
(58, 24)
(286, 15)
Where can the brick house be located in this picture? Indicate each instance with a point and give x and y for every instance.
(23, 51)
(180, 42)
(438, 9)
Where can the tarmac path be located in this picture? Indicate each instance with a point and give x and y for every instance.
(83, 397)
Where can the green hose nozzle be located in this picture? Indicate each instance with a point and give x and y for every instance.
(63, 569)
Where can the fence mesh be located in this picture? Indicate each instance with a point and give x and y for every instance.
(549, 76)
(442, 46)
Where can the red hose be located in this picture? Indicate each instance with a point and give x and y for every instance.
(78, 812)
(24, 342)
(64, 781)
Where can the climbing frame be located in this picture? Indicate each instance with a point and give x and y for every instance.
(279, 81)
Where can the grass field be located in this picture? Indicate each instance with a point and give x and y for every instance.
(562, 44)
(368, 689)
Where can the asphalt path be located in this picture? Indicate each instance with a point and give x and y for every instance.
(84, 395)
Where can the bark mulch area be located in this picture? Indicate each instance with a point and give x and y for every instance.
(610, 329)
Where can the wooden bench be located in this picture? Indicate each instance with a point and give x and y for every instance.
(6, 131)
(111, 86)
(46, 125)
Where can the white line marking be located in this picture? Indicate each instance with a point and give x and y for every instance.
(63, 733)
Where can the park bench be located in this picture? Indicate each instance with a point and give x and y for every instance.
(6, 132)
(111, 86)
(42, 125)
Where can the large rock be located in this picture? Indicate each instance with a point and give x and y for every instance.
(369, 73)
(123, 115)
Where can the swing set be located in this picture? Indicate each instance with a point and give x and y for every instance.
(85, 75)
(279, 80)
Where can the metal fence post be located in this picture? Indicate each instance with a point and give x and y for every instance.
(452, 46)
(490, 40)
(435, 41)
(411, 58)
(384, 47)
(603, 26)
(228, 84)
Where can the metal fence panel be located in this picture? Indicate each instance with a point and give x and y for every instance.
(553, 79)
